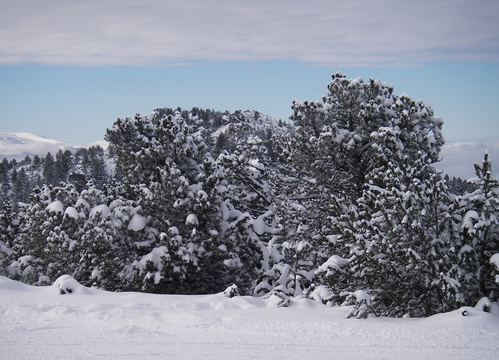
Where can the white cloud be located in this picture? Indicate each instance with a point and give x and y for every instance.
(357, 32)
(458, 157)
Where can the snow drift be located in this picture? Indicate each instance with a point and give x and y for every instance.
(88, 323)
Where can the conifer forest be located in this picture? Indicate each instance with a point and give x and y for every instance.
(342, 205)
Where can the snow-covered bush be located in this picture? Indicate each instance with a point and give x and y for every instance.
(320, 294)
(362, 303)
(280, 296)
(66, 284)
(484, 304)
(231, 291)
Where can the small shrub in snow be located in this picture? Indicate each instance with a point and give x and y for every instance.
(484, 304)
(319, 293)
(361, 301)
(280, 292)
(231, 291)
(66, 284)
(43, 280)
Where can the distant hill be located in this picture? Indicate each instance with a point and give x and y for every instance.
(19, 145)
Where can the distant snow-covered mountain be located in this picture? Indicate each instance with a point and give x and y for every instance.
(19, 145)
(457, 157)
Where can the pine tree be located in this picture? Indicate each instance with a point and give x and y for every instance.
(480, 232)
(5, 185)
(383, 145)
(8, 232)
(96, 249)
(168, 169)
(337, 137)
(20, 187)
(49, 175)
(30, 263)
(62, 166)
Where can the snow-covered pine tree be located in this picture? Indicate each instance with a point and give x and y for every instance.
(384, 146)
(108, 236)
(243, 247)
(480, 233)
(336, 135)
(291, 250)
(9, 225)
(49, 175)
(61, 230)
(203, 246)
(395, 244)
(96, 250)
(5, 184)
(254, 180)
(297, 238)
(169, 171)
(20, 186)
(62, 166)
(37, 218)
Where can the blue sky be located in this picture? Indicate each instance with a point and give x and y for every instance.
(69, 69)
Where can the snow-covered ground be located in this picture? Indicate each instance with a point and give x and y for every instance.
(39, 323)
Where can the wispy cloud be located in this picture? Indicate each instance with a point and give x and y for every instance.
(340, 33)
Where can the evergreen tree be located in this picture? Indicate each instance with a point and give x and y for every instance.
(62, 166)
(96, 250)
(338, 136)
(21, 186)
(169, 171)
(5, 185)
(49, 175)
(29, 247)
(480, 232)
(8, 232)
(383, 145)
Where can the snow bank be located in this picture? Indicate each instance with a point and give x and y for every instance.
(484, 304)
(36, 322)
(231, 291)
(320, 294)
(65, 284)
(11, 285)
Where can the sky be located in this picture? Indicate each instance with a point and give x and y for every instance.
(69, 69)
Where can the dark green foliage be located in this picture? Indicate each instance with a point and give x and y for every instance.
(201, 200)
(168, 168)
(480, 231)
(394, 220)
(8, 232)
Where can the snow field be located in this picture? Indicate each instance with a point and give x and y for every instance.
(38, 322)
